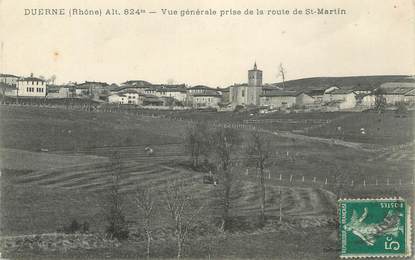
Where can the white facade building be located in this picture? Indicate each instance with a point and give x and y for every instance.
(117, 99)
(340, 98)
(31, 87)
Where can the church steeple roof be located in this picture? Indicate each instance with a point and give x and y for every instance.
(255, 66)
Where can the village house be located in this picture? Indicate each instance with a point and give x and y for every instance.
(178, 92)
(8, 79)
(138, 85)
(366, 100)
(60, 91)
(208, 99)
(199, 89)
(225, 94)
(133, 97)
(361, 89)
(118, 99)
(31, 87)
(340, 99)
(279, 99)
(317, 93)
(8, 90)
(410, 97)
(153, 101)
(91, 89)
(396, 92)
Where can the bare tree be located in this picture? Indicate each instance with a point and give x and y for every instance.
(224, 142)
(197, 142)
(282, 73)
(259, 151)
(145, 203)
(115, 215)
(182, 211)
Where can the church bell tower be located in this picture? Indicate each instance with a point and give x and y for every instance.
(255, 77)
(254, 88)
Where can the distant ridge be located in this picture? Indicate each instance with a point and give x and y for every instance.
(343, 82)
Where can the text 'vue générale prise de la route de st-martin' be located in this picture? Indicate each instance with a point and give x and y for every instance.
(181, 12)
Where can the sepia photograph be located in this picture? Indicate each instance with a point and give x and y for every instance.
(190, 129)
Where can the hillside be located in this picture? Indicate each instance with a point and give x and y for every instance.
(356, 81)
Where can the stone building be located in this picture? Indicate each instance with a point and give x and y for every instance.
(247, 94)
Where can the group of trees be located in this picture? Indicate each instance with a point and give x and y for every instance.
(175, 200)
(219, 147)
(214, 148)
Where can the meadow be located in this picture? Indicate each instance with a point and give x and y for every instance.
(43, 191)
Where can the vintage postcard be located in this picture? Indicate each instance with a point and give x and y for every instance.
(196, 129)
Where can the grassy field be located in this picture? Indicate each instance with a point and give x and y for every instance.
(42, 191)
(57, 129)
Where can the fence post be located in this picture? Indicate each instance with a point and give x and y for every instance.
(376, 183)
(326, 182)
(280, 206)
(291, 178)
(400, 181)
(352, 183)
(302, 179)
(364, 183)
(280, 177)
(314, 179)
(269, 175)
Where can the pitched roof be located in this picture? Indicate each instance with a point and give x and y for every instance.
(341, 91)
(396, 91)
(209, 93)
(280, 93)
(270, 88)
(8, 75)
(119, 94)
(86, 83)
(316, 92)
(201, 87)
(222, 89)
(31, 79)
(410, 93)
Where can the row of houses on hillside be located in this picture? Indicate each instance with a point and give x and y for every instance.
(254, 92)
(324, 98)
(167, 95)
(135, 92)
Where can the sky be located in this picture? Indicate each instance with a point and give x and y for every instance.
(373, 38)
